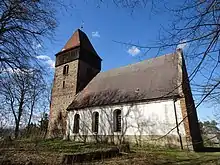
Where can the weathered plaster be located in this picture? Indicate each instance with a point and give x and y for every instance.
(140, 120)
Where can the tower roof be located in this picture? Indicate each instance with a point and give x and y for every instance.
(79, 39)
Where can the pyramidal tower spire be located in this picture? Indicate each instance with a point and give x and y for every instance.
(79, 39)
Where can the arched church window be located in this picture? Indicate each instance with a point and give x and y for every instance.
(76, 123)
(95, 122)
(117, 120)
(65, 69)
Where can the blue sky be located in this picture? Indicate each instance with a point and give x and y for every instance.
(108, 23)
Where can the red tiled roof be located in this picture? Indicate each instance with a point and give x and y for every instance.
(79, 38)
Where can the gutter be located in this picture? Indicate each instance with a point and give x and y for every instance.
(177, 124)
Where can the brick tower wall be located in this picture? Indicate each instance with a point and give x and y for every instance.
(62, 97)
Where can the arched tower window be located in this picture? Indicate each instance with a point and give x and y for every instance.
(65, 69)
(63, 84)
(95, 122)
(60, 116)
(76, 123)
(117, 120)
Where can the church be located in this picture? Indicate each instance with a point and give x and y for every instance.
(149, 102)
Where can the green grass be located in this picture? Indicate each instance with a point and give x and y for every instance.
(51, 151)
(143, 157)
(175, 156)
(69, 146)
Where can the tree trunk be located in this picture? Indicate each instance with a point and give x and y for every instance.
(16, 129)
(30, 117)
(20, 110)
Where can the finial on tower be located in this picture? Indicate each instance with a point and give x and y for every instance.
(82, 25)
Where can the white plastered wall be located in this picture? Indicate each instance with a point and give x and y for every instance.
(145, 118)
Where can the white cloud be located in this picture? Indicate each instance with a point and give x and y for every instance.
(17, 71)
(36, 45)
(182, 44)
(133, 51)
(42, 57)
(47, 60)
(51, 63)
(96, 34)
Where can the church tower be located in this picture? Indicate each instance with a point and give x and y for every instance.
(76, 65)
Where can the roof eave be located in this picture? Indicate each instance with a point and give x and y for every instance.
(66, 50)
(175, 96)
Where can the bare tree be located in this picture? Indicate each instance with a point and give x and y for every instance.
(36, 95)
(195, 25)
(15, 97)
(19, 92)
(24, 24)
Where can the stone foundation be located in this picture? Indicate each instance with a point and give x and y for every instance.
(170, 141)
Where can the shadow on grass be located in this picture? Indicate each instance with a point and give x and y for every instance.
(51, 145)
(194, 161)
(209, 149)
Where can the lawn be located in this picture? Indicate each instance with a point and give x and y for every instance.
(50, 152)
